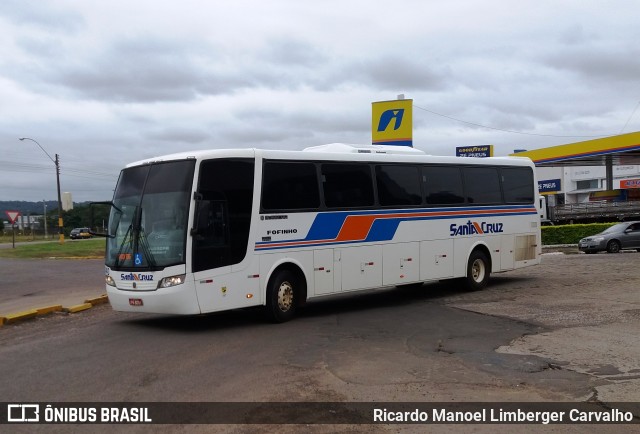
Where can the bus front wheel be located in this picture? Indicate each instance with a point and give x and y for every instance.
(282, 296)
(478, 271)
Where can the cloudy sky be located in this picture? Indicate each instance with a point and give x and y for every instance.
(104, 83)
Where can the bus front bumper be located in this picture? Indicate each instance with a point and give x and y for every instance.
(178, 300)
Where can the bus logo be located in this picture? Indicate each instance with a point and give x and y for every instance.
(472, 228)
(137, 277)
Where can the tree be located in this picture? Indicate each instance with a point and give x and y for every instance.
(81, 216)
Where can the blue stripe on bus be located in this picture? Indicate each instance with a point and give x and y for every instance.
(326, 227)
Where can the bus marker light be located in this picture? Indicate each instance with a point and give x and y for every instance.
(249, 295)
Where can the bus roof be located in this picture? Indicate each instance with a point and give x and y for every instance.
(339, 152)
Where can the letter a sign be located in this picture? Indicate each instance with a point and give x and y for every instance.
(13, 216)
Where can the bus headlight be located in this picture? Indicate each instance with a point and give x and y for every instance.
(109, 280)
(168, 282)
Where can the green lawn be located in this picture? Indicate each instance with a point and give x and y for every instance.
(93, 248)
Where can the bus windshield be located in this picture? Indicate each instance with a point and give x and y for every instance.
(148, 219)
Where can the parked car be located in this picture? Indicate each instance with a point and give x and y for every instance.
(79, 233)
(621, 236)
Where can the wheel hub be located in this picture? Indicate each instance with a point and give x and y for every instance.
(477, 270)
(285, 296)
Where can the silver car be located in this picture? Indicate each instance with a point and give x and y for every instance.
(621, 236)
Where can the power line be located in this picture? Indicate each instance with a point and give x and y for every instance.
(630, 117)
(500, 129)
(12, 166)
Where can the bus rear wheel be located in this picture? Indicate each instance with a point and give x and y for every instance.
(282, 296)
(478, 271)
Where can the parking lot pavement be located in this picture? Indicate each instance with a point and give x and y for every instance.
(589, 306)
(27, 284)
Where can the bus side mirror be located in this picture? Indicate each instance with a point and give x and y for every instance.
(99, 218)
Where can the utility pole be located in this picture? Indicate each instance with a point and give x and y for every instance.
(45, 218)
(57, 163)
(60, 224)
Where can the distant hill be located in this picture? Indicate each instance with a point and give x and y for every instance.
(29, 208)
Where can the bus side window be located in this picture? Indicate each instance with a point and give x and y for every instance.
(442, 185)
(347, 185)
(482, 185)
(517, 184)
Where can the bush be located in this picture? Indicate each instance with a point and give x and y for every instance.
(571, 234)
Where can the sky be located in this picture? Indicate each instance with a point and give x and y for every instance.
(105, 83)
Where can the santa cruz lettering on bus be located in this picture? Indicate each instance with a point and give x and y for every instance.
(136, 276)
(471, 228)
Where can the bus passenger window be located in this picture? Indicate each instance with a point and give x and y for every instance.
(443, 185)
(517, 184)
(398, 185)
(347, 185)
(482, 185)
(289, 186)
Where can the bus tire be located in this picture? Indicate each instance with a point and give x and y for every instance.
(282, 296)
(478, 271)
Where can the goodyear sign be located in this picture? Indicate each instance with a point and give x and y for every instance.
(392, 122)
(475, 151)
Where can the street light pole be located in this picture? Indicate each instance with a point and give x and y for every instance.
(57, 163)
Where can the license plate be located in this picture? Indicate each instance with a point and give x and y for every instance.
(135, 302)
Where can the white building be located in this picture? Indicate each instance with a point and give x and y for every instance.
(67, 201)
(577, 184)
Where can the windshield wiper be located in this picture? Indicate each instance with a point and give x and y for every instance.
(125, 241)
(143, 244)
(135, 242)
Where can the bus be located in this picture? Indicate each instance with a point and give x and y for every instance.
(215, 230)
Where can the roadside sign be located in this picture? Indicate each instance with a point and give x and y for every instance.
(392, 122)
(13, 216)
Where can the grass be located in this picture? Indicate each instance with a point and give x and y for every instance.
(93, 248)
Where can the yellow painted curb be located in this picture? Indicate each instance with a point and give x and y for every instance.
(98, 300)
(15, 317)
(49, 309)
(77, 308)
(2, 319)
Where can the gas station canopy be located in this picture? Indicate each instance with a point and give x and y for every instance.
(617, 150)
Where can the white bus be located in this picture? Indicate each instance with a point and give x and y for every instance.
(214, 230)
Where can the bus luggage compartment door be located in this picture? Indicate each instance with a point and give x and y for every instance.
(323, 271)
(361, 267)
(436, 259)
(401, 263)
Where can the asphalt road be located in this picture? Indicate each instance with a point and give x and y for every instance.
(31, 283)
(564, 331)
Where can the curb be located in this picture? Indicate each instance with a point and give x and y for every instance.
(20, 316)
(46, 310)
